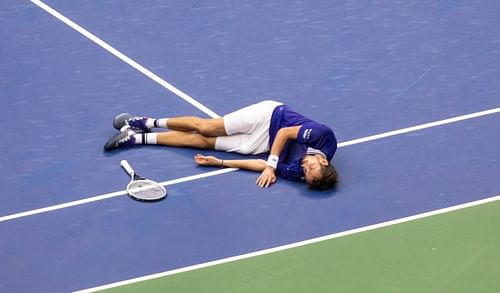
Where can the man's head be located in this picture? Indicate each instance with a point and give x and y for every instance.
(319, 173)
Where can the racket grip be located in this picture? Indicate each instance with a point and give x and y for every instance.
(126, 166)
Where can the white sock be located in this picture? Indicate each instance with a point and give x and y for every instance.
(161, 123)
(145, 138)
(150, 123)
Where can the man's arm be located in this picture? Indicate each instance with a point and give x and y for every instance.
(250, 164)
(268, 175)
(283, 135)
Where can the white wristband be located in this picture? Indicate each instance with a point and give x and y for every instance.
(272, 161)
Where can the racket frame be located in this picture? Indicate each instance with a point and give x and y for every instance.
(134, 177)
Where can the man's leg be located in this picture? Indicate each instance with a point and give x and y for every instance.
(252, 121)
(207, 127)
(174, 138)
(185, 139)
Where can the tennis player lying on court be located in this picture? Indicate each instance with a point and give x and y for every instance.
(299, 148)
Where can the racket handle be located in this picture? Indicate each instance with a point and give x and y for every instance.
(126, 166)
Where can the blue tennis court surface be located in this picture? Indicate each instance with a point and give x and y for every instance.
(361, 67)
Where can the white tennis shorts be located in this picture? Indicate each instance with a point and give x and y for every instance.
(247, 129)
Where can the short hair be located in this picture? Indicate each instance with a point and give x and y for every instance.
(327, 180)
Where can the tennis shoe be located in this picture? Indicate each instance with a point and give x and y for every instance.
(136, 123)
(124, 139)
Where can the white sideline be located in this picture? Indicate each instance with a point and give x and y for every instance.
(108, 195)
(218, 172)
(292, 245)
(420, 127)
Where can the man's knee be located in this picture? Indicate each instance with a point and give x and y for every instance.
(209, 143)
(202, 142)
(206, 128)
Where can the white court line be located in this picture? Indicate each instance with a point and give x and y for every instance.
(420, 127)
(218, 172)
(108, 195)
(124, 58)
(293, 245)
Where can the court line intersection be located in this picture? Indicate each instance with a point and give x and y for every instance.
(212, 114)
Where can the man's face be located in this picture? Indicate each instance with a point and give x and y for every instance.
(312, 165)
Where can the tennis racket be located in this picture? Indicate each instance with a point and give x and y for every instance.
(142, 189)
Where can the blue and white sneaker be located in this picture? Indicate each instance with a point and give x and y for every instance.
(124, 139)
(136, 123)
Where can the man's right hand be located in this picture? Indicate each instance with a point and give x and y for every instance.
(267, 177)
(207, 160)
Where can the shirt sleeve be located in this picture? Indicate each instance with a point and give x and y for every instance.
(291, 171)
(318, 136)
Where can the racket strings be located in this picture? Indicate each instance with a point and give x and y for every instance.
(146, 190)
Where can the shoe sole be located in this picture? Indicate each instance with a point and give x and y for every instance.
(121, 120)
(111, 144)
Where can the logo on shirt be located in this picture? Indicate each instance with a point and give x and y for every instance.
(307, 134)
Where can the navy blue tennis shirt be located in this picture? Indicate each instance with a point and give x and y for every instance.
(313, 138)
